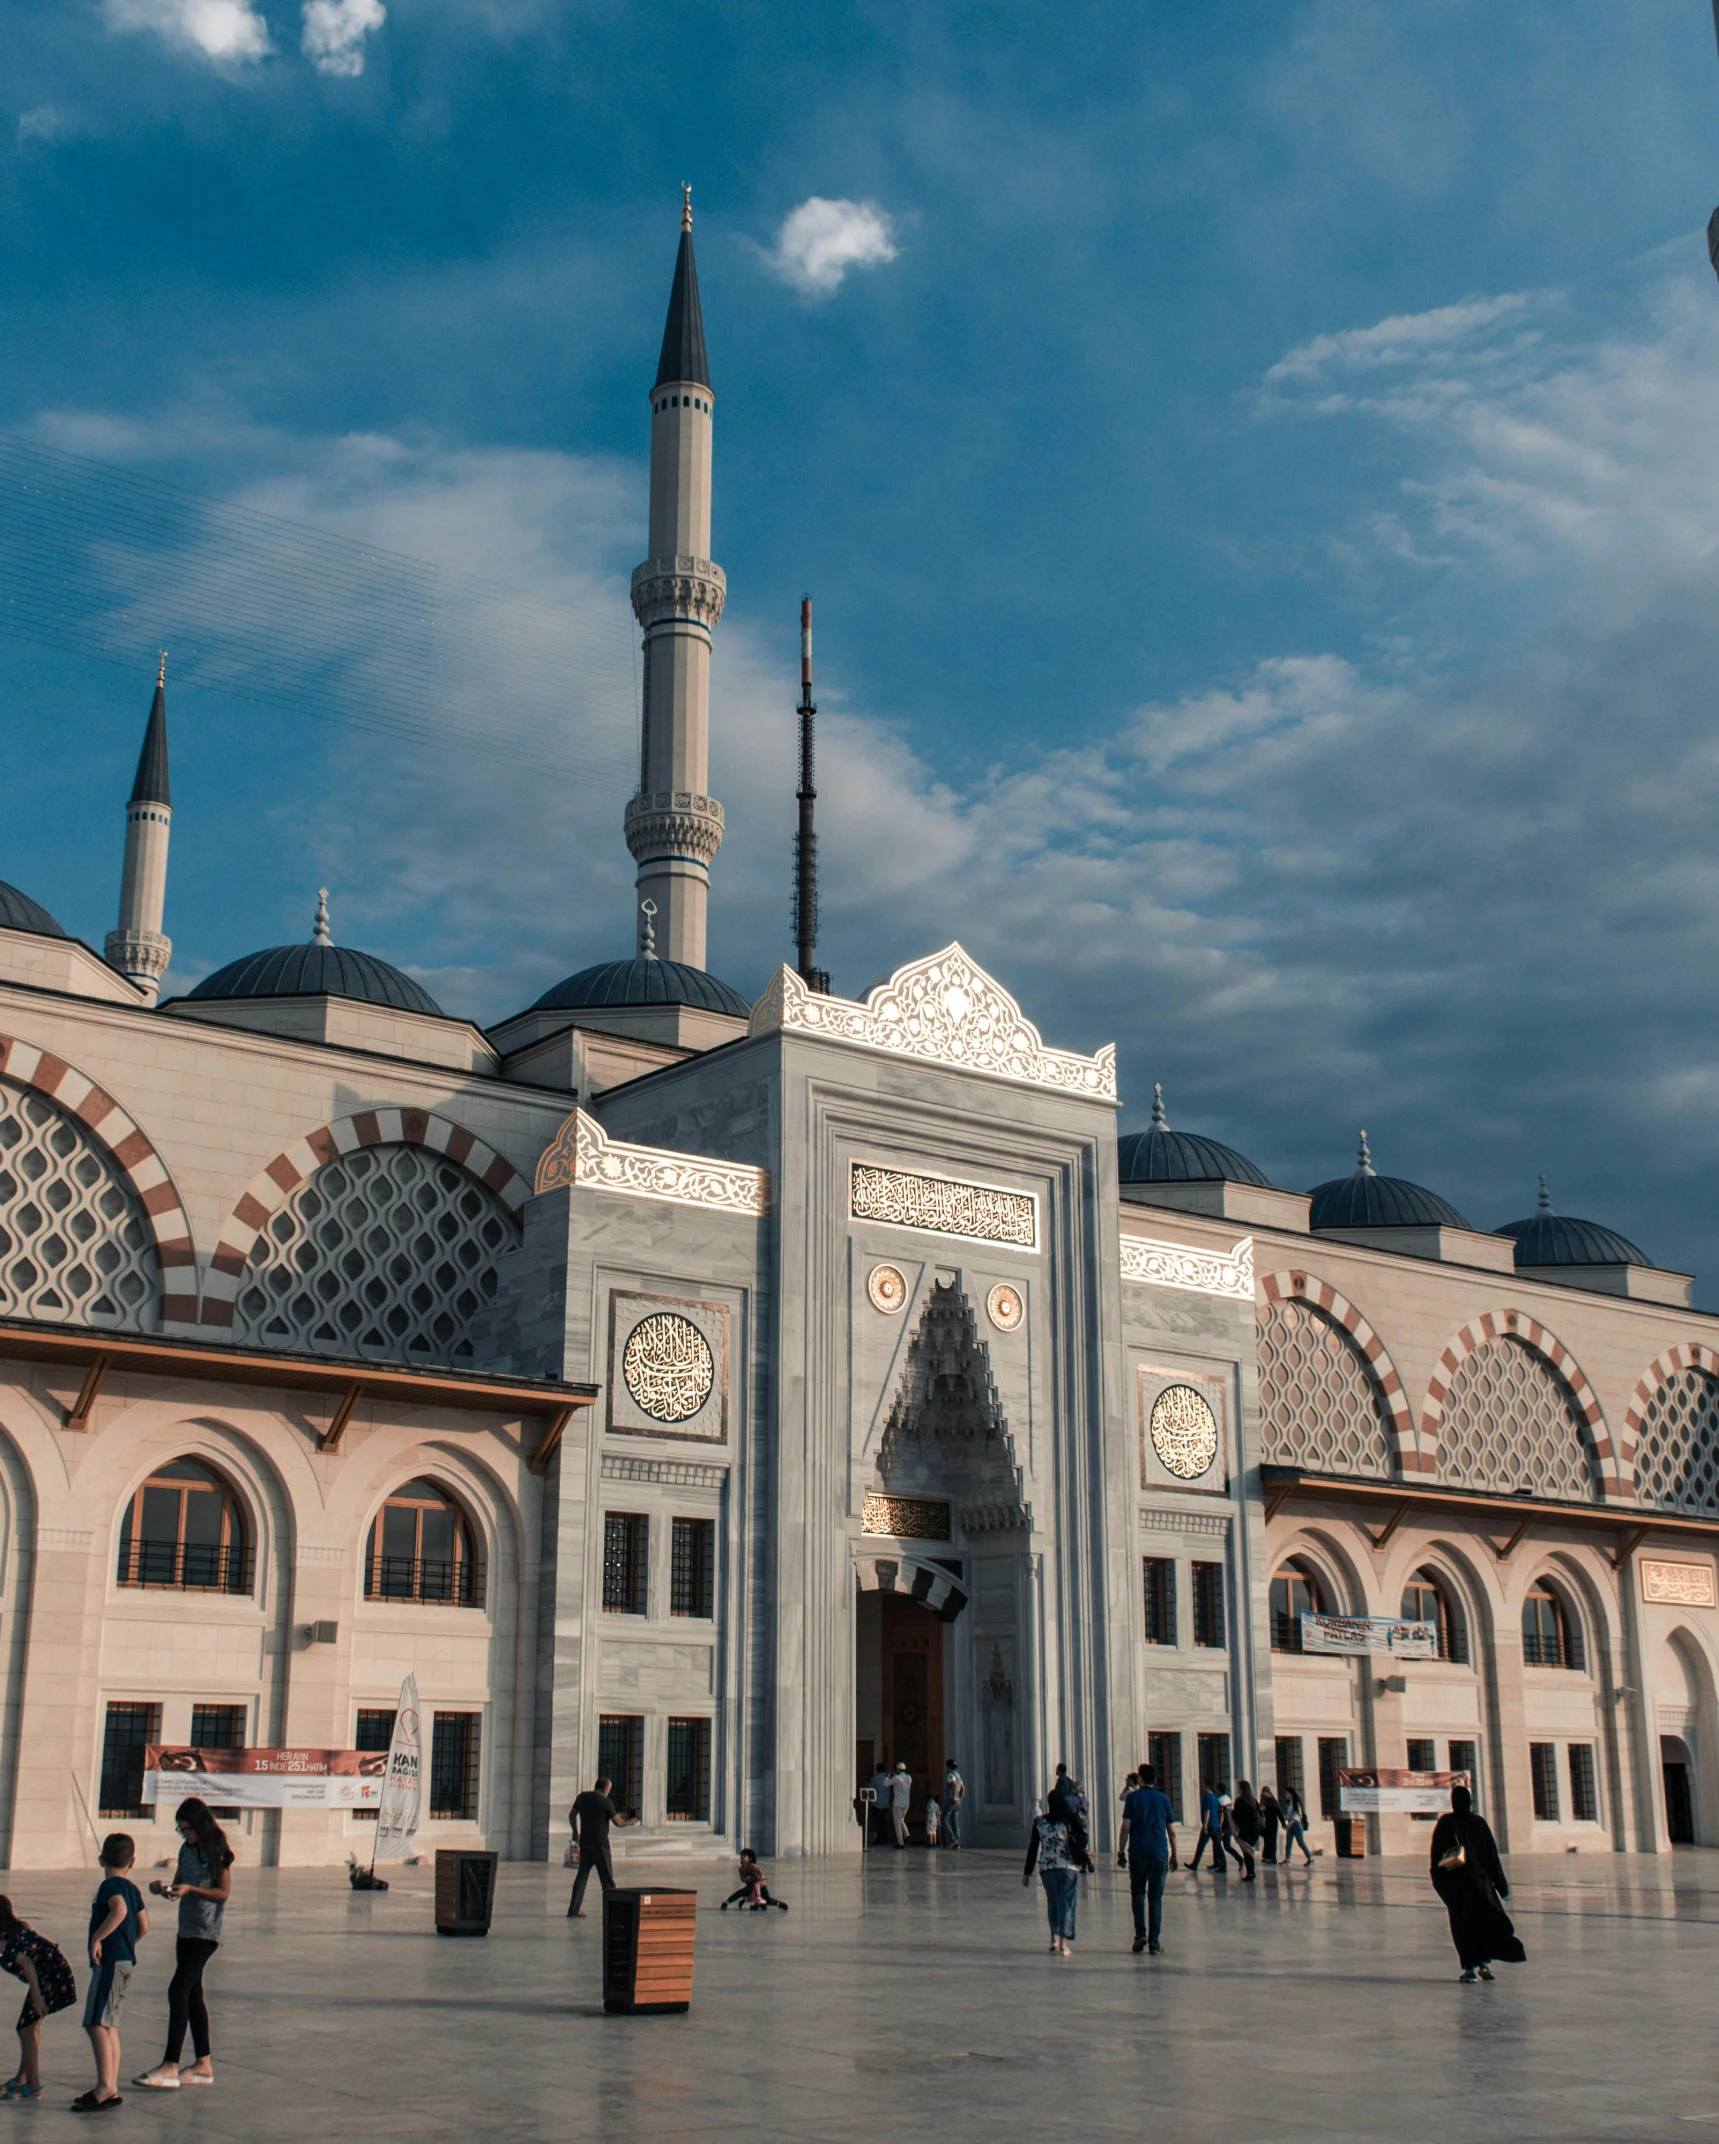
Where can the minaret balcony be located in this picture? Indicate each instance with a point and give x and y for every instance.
(673, 822)
(679, 587)
(143, 955)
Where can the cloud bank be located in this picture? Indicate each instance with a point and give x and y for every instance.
(334, 33)
(225, 30)
(820, 241)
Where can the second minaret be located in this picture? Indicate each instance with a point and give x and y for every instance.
(673, 827)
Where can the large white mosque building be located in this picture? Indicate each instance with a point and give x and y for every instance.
(729, 1397)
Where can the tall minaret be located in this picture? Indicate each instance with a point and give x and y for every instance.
(673, 827)
(138, 949)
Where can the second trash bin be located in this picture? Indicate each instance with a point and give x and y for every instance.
(647, 1950)
(465, 1890)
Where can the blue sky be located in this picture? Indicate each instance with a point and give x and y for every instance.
(1256, 475)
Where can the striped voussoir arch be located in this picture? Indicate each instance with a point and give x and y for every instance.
(272, 1186)
(939, 1589)
(1686, 1355)
(1518, 1325)
(134, 1157)
(1413, 1455)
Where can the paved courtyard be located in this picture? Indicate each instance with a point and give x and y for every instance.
(917, 2000)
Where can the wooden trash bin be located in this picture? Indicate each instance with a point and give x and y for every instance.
(1351, 1838)
(647, 1951)
(465, 1890)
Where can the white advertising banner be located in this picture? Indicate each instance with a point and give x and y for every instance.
(403, 1780)
(264, 1778)
(1391, 1634)
(1397, 1793)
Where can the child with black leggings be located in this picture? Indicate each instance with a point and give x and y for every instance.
(753, 1891)
(202, 1884)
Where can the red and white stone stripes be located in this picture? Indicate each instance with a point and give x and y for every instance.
(1413, 1455)
(1686, 1355)
(273, 1185)
(1518, 1325)
(134, 1156)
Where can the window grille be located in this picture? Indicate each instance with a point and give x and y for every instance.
(1320, 1405)
(626, 1550)
(1290, 1776)
(1208, 1591)
(219, 1726)
(1677, 1452)
(688, 1779)
(374, 1731)
(621, 1759)
(1160, 1578)
(454, 1749)
(75, 1245)
(1213, 1752)
(1423, 1757)
(1333, 1753)
(1543, 1766)
(692, 1567)
(1164, 1755)
(388, 1251)
(1511, 1424)
(184, 1529)
(128, 1728)
(1465, 1757)
(1584, 1787)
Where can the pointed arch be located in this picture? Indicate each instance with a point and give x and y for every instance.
(134, 1156)
(1688, 1361)
(1517, 1325)
(1299, 1286)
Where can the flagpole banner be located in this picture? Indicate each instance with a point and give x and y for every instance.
(1392, 1634)
(265, 1778)
(1384, 1792)
(402, 1780)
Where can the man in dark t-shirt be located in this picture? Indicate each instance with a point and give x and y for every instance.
(590, 1816)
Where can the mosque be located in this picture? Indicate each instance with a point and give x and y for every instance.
(728, 1397)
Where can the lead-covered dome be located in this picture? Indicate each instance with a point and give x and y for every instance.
(1559, 1239)
(19, 913)
(1159, 1155)
(642, 981)
(1368, 1200)
(319, 969)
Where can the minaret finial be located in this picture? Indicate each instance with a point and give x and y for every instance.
(648, 946)
(319, 935)
(1545, 1195)
(161, 674)
(804, 918)
(1364, 1159)
(686, 206)
(1160, 1122)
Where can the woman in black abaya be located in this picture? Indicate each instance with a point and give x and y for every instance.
(1468, 1875)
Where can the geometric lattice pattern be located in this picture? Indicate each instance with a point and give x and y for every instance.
(389, 1250)
(1511, 1423)
(1320, 1406)
(75, 1245)
(1677, 1447)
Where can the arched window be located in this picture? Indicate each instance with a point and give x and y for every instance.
(1320, 1405)
(185, 1528)
(1551, 1635)
(1677, 1452)
(422, 1548)
(75, 1245)
(1427, 1599)
(1511, 1424)
(1295, 1590)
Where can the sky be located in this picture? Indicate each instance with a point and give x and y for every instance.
(1254, 462)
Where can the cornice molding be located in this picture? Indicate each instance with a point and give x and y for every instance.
(583, 1157)
(1154, 1264)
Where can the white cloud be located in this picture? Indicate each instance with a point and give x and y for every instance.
(821, 240)
(44, 123)
(1403, 339)
(335, 30)
(226, 30)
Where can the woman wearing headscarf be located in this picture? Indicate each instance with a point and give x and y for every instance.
(1468, 1875)
(1053, 1851)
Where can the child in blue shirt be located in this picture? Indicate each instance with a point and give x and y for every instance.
(118, 1917)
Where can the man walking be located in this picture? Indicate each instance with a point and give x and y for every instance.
(900, 1798)
(954, 1794)
(590, 1816)
(1151, 1828)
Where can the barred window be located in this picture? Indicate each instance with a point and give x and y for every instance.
(1164, 1755)
(688, 1782)
(692, 1567)
(454, 1749)
(626, 1555)
(374, 1731)
(184, 1528)
(1214, 1756)
(1295, 1592)
(220, 1727)
(129, 1727)
(1333, 1755)
(1160, 1577)
(1291, 1779)
(621, 1759)
(1543, 1767)
(421, 1548)
(1208, 1590)
(1584, 1787)
(1551, 1636)
(1423, 1757)
(1465, 1757)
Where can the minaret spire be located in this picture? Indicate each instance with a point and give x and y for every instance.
(138, 948)
(806, 839)
(673, 827)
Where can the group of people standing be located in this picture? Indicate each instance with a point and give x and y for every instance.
(889, 1814)
(119, 1919)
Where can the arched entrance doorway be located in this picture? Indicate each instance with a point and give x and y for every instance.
(901, 1675)
(1678, 1774)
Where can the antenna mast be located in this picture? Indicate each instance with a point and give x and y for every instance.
(805, 916)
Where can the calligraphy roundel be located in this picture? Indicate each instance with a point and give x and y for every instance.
(1184, 1431)
(668, 1367)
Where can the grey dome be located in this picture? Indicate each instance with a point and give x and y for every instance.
(1159, 1155)
(642, 981)
(319, 970)
(19, 913)
(1559, 1239)
(1367, 1200)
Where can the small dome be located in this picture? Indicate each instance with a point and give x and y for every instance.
(19, 913)
(1162, 1156)
(1367, 1200)
(1558, 1239)
(336, 971)
(643, 981)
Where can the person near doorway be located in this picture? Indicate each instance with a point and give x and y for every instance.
(879, 1785)
(1246, 1825)
(1271, 1821)
(590, 1817)
(1048, 1850)
(1128, 1786)
(1294, 1828)
(1469, 1877)
(900, 1800)
(1150, 1829)
(954, 1794)
(933, 1816)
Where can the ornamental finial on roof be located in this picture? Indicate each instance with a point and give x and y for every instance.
(161, 674)
(1545, 1195)
(319, 935)
(648, 950)
(686, 206)
(1160, 1122)
(1364, 1159)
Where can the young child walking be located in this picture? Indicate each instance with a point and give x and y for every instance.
(753, 1891)
(933, 1817)
(118, 1917)
(42, 1966)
